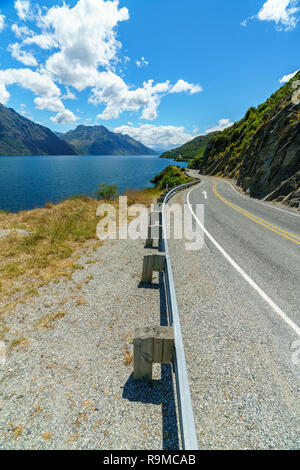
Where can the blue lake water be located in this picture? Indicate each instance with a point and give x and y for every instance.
(29, 182)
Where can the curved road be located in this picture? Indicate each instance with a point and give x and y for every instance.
(239, 301)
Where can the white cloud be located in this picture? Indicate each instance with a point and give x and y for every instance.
(51, 103)
(68, 95)
(85, 33)
(142, 62)
(22, 56)
(118, 97)
(41, 84)
(64, 117)
(287, 78)
(157, 136)
(44, 41)
(23, 8)
(282, 12)
(182, 86)
(21, 31)
(2, 22)
(4, 94)
(223, 124)
(83, 53)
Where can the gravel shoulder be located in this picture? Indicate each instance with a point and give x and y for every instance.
(67, 382)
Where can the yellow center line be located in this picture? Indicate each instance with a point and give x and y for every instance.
(256, 219)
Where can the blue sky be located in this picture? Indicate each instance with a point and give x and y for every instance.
(162, 71)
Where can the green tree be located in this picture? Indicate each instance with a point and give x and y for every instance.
(106, 191)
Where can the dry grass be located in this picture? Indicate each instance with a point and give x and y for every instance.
(18, 430)
(128, 358)
(28, 262)
(58, 234)
(146, 196)
(49, 320)
(19, 342)
(81, 302)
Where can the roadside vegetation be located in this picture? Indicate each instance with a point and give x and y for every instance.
(171, 176)
(232, 143)
(57, 235)
(191, 150)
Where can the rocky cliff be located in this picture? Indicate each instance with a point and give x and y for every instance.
(262, 150)
(271, 166)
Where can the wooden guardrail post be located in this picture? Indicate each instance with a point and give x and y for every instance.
(152, 263)
(152, 344)
(154, 233)
(156, 217)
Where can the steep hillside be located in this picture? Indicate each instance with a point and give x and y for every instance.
(20, 136)
(97, 140)
(191, 150)
(262, 150)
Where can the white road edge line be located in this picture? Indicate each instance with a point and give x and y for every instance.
(255, 200)
(242, 272)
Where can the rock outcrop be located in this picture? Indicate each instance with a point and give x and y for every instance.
(262, 150)
(271, 167)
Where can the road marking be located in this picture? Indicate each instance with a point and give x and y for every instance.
(256, 219)
(205, 194)
(259, 202)
(250, 281)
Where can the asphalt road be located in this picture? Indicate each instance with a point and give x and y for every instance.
(239, 301)
(262, 240)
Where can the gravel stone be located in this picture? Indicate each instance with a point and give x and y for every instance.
(65, 384)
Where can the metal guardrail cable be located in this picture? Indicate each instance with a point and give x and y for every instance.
(186, 415)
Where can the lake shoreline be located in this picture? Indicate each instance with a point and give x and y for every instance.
(30, 182)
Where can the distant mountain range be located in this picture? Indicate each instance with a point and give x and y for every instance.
(97, 140)
(21, 136)
(193, 149)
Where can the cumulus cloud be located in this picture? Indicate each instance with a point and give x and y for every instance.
(22, 56)
(4, 94)
(21, 31)
(142, 62)
(223, 124)
(23, 8)
(282, 12)
(82, 51)
(287, 78)
(68, 95)
(2, 22)
(118, 97)
(39, 83)
(44, 41)
(157, 136)
(64, 117)
(51, 103)
(85, 33)
(182, 86)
